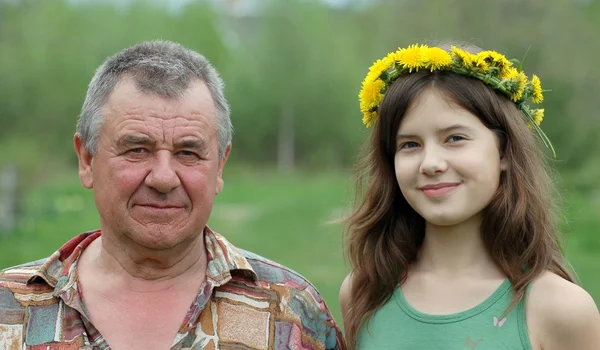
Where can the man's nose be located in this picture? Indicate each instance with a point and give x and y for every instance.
(162, 176)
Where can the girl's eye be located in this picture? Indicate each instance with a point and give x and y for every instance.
(455, 138)
(409, 145)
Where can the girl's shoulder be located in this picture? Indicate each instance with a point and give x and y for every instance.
(345, 295)
(561, 314)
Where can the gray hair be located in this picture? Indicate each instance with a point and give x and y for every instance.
(162, 68)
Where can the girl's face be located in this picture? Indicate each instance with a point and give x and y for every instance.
(447, 162)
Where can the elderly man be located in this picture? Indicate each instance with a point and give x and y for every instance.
(152, 141)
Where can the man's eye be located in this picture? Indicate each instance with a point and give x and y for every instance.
(137, 150)
(187, 154)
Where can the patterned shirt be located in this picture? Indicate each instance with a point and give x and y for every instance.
(246, 302)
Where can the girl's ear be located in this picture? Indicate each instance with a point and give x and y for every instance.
(503, 163)
(502, 146)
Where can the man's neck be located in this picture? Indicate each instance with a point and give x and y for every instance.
(138, 269)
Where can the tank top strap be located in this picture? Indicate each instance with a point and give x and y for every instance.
(522, 317)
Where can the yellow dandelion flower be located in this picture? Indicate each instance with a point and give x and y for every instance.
(521, 81)
(509, 73)
(505, 71)
(365, 106)
(538, 116)
(397, 55)
(370, 95)
(486, 56)
(536, 85)
(501, 61)
(377, 68)
(465, 58)
(480, 65)
(494, 59)
(497, 57)
(436, 58)
(412, 57)
(391, 59)
(369, 118)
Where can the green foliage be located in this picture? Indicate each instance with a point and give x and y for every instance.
(49, 51)
(300, 59)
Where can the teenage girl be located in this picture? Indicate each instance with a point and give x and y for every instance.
(453, 239)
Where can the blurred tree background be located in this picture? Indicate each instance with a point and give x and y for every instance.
(293, 70)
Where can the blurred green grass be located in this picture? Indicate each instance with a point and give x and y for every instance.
(286, 218)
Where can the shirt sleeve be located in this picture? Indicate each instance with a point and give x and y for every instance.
(318, 322)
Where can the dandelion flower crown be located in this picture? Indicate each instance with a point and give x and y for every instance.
(491, 67)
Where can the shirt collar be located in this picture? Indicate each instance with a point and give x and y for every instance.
(59, 267)
(225, 261)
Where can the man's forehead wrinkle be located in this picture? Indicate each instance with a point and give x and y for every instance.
(173, 132)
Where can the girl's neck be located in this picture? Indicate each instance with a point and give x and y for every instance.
(456, 251)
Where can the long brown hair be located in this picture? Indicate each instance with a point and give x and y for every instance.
(384, 233)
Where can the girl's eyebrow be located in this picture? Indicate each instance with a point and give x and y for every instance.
(453, 127)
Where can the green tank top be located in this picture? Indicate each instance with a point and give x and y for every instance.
(397, 325)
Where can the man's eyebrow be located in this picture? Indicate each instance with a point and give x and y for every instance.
(196, 144)
(130, 140)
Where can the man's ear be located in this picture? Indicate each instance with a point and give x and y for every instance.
(222, 161)
(85, 162)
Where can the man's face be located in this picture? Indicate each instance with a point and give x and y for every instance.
(156, 171)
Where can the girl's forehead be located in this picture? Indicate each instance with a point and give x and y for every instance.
(434, 111)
